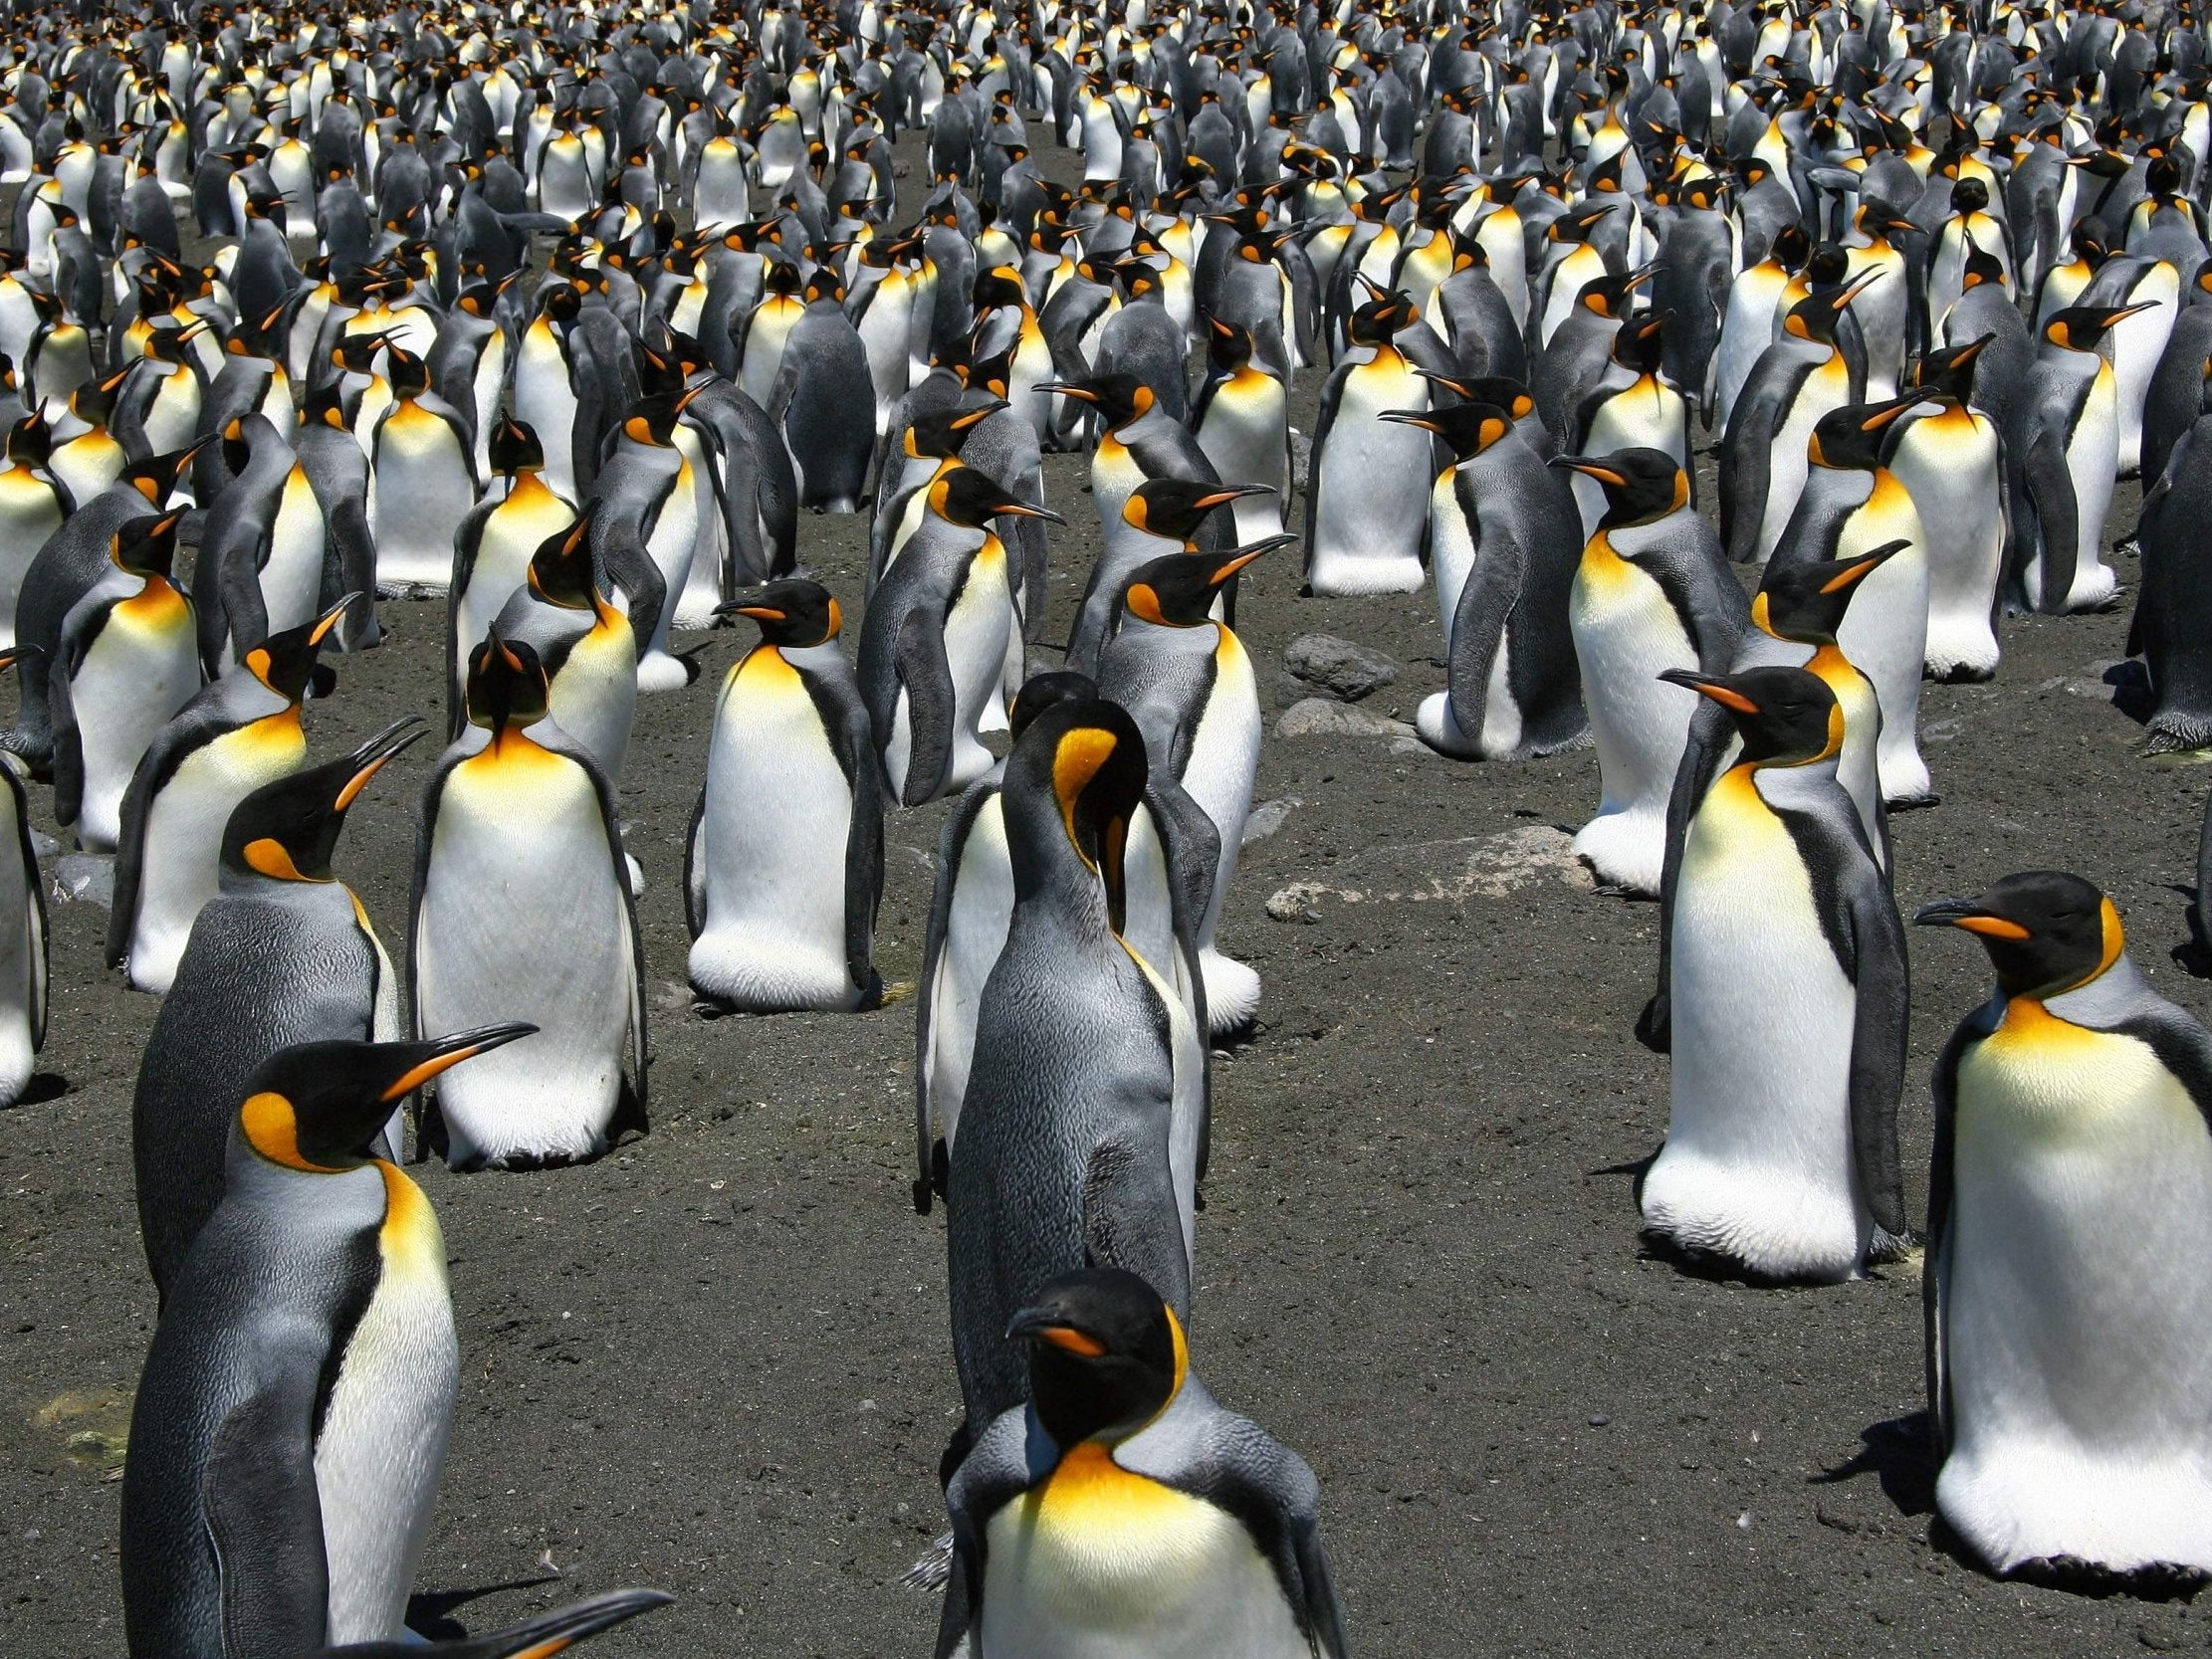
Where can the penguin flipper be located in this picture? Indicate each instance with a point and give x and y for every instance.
(1132, 1218)
(547, 1634)
(35, 918)
(349, 567)
(999, 1464)
(1478, 617)
(2058, 518)
(927, 676)
(1877, 1050)
(1707, 745)
(1745, 454)
(854, 741)
(264, 1517)
(1944, 1087)
(695, 878)
(61, 714)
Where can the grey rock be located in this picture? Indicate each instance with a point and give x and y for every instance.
(1317, 717)
(1266, 818)
(84, 878)
(1339, 667)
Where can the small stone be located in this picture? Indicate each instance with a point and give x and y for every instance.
(1840, 1522)
(84, 878)
(1293, 903)
(1743, 1522)
(2162, 1633)
(1318, 716)
(1342, 667)
(1266, 818)
(1598, 1419)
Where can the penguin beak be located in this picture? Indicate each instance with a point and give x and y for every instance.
(1866, 565)
(2115, 319)
(1082, 394)
(1234, 492)
(431, 1058)
(1047, 1325)
(1246, 554)
(370, 758)
(1856, 286)
(1711, 685)
(329, 619)
(15, 653)
(758, 613)
(1409, 417)
(1967, 914)
(1022, 510)
(1592, 469)
(560, 1629)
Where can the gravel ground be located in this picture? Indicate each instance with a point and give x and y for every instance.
(717, 1363)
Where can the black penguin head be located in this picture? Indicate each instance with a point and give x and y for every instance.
(794, 612)
(1175, 507)
(1981, 267)
(1177, 590)
(505, 687)
(156, 477)
(1639, 343)
(653, 421)
(1377, 321)
(1119, 398)
(514, 447)
(2083, 327)
(967, 498)
(317, 1107)
(286, 830)
(1087, 759)
(2046, 931)
(1790, 248)
(1853, 436)
(1611, 297)
(285, 662)
(1641, 486)
(1106, 1355)
(1807, 602)
(563, 572)
(1468, 428)
(1948, 371)
(1815, 316)
(1000, 285)
(1969, 195)
(29, 440)
(1228, 346)
(940, 434)
(1045, 691)
(1787, 717)
(146, 546)
(1500, 392)
(2091, 241)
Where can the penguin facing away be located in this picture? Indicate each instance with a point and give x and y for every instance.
(283, 953)
(292, 1418)
(2069, 1275)
(783, 865)
(1787, 984)
(23, 972)
(1123, 1511)
(524, 812)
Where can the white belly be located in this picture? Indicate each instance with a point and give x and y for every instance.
(419, 491)
(1951, 472)
(292, 579)
(977, 630)
(1626, 632)
(133, 678)
(773, 849)
(526, 925)
(975, 935)
(1371, 481)
(29, 513)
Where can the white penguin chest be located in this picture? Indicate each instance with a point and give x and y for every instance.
(779, 808)
(1101, 1565)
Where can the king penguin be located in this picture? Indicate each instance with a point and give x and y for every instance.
(522, 899)
(1084, 1118)
(23, 973)
(492, 550)
(1503, 545)
(1242, 421)
(235, 735)
(1123, 1511)
(2071, 433)
(1788, 989)
(1951, 458)
(291, 1421)
(584, 644)
(2069, 1277)
(783, 865)
(283, 953)
(1652, 592)
(33, 504)
(1367, 500)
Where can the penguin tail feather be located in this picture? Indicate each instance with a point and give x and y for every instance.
(934, 1570)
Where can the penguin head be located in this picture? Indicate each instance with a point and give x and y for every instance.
(1087, 758)
(940, 434)
(2045, 930)
(1787, 717)
(1641, 485)
(29, 440)
(1120, 398)
(653, 420)
(317, 1107)
(1639, 343)
(1468, 428)
(1377, 321)
(1969, 195)
(1853, 436)
(514, 447)
(505, 687)
(1948, 371)
(1177, 590)
(408, 374)
(1807, 602)
(1000, 285)
(1790, 248)
(1609, 295)
(1815, 316)
(285, 662)
(286, 830)
(1497, 390)
(561, 571)
(1175, 507)
(146, 546)
(794, 612)
(1106, 1355)
(967, 498)
(1045, 691)
(2083, 327)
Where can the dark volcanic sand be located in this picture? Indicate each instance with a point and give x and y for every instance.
(717, 1361)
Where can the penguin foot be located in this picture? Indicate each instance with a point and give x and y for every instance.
(933, 1571)
(2177, 734)
(1913, 803)
(2160, 1581)
(1232, 994)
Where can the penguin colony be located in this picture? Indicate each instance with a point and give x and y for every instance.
(566, 318)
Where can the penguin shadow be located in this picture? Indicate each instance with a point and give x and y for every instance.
(2193, 956)
(43, 1087)
(2131, 693)
(431, 1613)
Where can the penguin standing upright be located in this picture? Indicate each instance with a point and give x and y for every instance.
(1367, 500)
(2070, 430)
(1242, 421)
(33, 504)
(934, 642)
(1788, 991)
(22, 932)
(1188, 681)
(422, 478)
(2171, 629)
(783, 865)
(235, 735)
(130, 661)
(1951, 460)
(1125, 1511)
(1652, 592)
(292, 1418)
(521, 899)
(584, 644)
(283, 953)
(824, 400)
(1852, 504)
(1503, 545)
(1802, 377)
(492, 550)
(1083, 1125)
(2069, 1276)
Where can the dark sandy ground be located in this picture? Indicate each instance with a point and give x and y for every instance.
(717, 1363)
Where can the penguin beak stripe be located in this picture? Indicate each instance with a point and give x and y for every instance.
(1991, 926)
(1604, 474)
(1401, 418)
(761, 614)
(1727, 696)
(1844, 579)
(329, 620)
(359, 780)
(470, 1044)
(1021, 510)
(1959, 912)
(1072, 1340)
